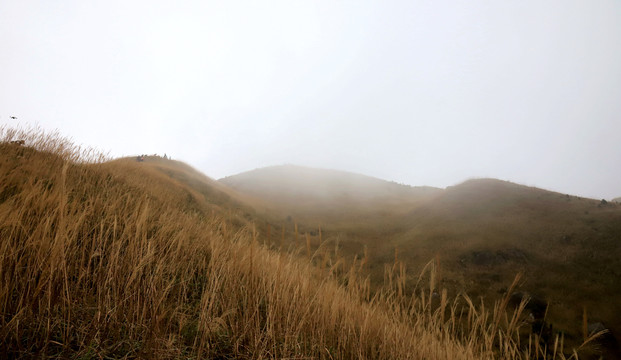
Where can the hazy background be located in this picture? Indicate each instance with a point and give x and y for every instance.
(418, 92)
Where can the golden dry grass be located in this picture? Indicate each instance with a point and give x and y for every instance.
(484, 231)
(114, 259)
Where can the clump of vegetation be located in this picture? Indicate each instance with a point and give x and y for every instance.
(115, 259)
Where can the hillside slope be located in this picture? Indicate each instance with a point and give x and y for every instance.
(327, 196)
(286, 183)
(482, 232)
(121, 259)
(569, 248)
(220, 199)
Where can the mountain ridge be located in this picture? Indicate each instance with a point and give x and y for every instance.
(484, 230)
(303, 173)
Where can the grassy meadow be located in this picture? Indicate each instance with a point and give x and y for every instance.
(103, 258)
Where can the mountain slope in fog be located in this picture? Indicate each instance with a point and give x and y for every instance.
(482, 232)
(303, 191)
(486, 230)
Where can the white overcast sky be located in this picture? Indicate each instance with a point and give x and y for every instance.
(418, 92)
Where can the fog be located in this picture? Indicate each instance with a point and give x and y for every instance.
(417, 92)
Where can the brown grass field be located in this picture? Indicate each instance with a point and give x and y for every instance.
(104, 258)
(481, 232)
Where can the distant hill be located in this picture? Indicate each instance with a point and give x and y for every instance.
(617, 199)
(485, 231)
(303, 192)
(482, 232)
(289, 182)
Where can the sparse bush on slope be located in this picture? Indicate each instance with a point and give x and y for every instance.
(113, 259)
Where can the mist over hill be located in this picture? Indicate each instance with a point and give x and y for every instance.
(285, 183)
(483, 231)
(327, 196)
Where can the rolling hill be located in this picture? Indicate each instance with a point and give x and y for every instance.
(482, 232)
(288, 184)
(326, 196)
(103, 258)
(569, 248)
